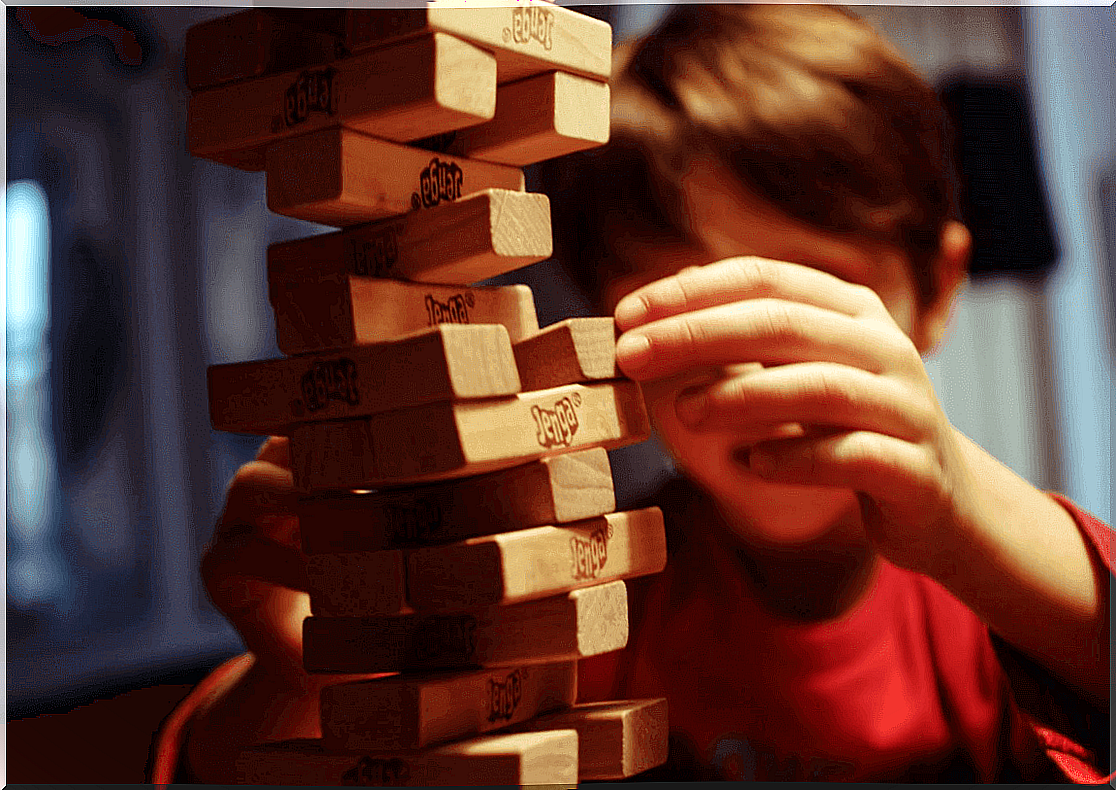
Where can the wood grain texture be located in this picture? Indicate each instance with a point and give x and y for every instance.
(551, 490)
(518, 759)
(445, 362)
(252, 43)
(616, 740)
(528, 37)
(572, 626)
(537, 562)
(342, 177)
(568, 352)
(538, 118)
(368, 583)
(425, 86)
(450, 440)
(407, 712)
(314, 315)
(473, 238)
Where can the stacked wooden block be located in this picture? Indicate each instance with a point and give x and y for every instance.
(457, 505)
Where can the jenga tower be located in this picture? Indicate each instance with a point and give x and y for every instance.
(456, 497)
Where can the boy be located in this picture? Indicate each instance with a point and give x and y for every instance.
(855, 591)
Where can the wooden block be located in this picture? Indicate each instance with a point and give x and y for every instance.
(548, 758)
(527, 37)
(445, 362)
(576, 625)
(463, 438)
(473, 238)
(342, 177)
(405, 712)
(616, 740)
(368, 582)
(348, 310)
(414, 89)
(541, 117)
(568, 352)
(551, 490)
(252, 43)
(537, 562)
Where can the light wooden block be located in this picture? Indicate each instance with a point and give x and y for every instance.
(568, 352)
(553, 490)
(528, 37)
(251, 43)
(473, 238)
(348, 310)
(369, 582)
(576, 625)
(616, 740)
(341, 177)
(537, 562)
(429, 85)
(406, 712)
(445, 362)
(549, 758)
(463, 438)
(541, 117)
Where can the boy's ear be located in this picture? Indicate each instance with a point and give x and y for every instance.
(951, 263)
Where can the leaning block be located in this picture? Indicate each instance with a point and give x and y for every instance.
(541, 117)
(348, 310)
(341, 177)
(576, 625)
(473, 238)
(444, 362)
(551, 490)
(429, 85)
(527, 37)
(568, 352)
(368, 583)
(403, 712)
(463, 438)
(534, 563)
(616, 740)
(252, 43)
(537, 758)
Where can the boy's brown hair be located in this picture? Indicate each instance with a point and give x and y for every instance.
(806, 105)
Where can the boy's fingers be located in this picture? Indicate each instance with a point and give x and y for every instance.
(276, 450)
(885, 468)
(737, 279)
(243, 554)
(807, 393)
(768, 331)
(260, 488)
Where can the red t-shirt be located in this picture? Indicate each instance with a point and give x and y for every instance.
(907, 686)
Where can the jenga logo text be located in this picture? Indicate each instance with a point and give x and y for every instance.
(531, 23)
(504, 696)
(377, 771)
(312, 92)
(454, 310)
(415, 521)
(439, 182)
(556, 427)
(589, 554)
(375, 255)
(446, 639)
(331, 379)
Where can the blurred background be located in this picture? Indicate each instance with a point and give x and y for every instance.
(131, 267)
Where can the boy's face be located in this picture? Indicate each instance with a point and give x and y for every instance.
(733, 224)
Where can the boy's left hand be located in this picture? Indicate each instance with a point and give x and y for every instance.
(834, 362)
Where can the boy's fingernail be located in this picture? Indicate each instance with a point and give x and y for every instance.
(630, 311)
(633, 352)
(761, 462)
(691, 407)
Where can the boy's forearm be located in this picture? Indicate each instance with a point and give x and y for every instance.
(1021, 563)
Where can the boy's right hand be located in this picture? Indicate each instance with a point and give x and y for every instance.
(254, 569)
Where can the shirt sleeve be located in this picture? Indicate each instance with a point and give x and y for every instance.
(166, 764)
(1072, 731)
